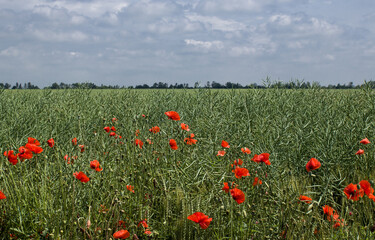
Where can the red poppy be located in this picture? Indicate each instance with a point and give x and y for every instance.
(11, 157)
(220, 153)
(147, 231)
(107, 129)
(143, 223)
(366, 186)
(365, 141)
(143, 115)
(51, 142)
(122, 234)
(241, 172)
(190, 140)
(33, 141)
(2, 195)
(173, 115)
(238, 162)
(237, 195)
(257, 181)
(264, 157)
(138, 143)
(81, 176)
(360, 152)
(74, 141)
(185, 127)
(112, 134)
(114, 119)
(121, 224)
(328, 211)
(305, 199)
(82, 147)
(200, 218)
(24, 153)
(352, 192)
(113, 129)
(173, 144)
(34, 148)
(226, 187)
(246, 150)
(130, 188)
(94, 164)
(225, 144)
(155, 129)
(313, 164)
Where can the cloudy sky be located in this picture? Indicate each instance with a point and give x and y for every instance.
(130, 42)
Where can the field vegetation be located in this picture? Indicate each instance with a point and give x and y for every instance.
(145, 186)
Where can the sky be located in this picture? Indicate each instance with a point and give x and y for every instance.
(132, 42)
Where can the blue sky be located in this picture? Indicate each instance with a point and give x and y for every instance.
(132, 42)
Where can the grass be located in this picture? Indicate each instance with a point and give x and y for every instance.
(45, 201)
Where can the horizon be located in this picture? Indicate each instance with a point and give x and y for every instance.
(125, 42)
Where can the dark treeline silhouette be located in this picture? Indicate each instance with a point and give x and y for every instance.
(267, 83)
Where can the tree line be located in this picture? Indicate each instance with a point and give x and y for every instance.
(267, 83)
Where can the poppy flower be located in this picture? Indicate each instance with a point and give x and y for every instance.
(143, 115)
(24, 153)
(313, 164)
(82, 147)
(114, 119)
(257, 181)
(95, 165)
(107, 129)
(241, 172)
(173, 115)
(51, 142)
(81, 176)
(365, 141)
(246, 150)
(200, 218)
(11, 157)
(74, 141)
(225, 144)
(190, 140)
(264, 157)
(366, 186)
(328, 210)
(122, 234)
(112, 134)
(34, 148)
(2, 195)
(138, 143)
(238, 162)
(305, 199)
(185, 127)
(237, 195)
(155, 129)
(113, 129)
(130, 188)
(226, 187)
(143, 223)
(121, 224)
(220, 153)
(148, 232)
(33, 141)
(352, 192)
(173, 144)
(360, 152)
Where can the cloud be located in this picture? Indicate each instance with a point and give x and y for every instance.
(205, 45)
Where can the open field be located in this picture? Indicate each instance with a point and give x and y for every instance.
(45, 200)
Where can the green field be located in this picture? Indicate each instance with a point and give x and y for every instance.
(45, 201)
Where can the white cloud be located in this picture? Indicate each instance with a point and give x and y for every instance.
(207, 45)
(215, 23)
